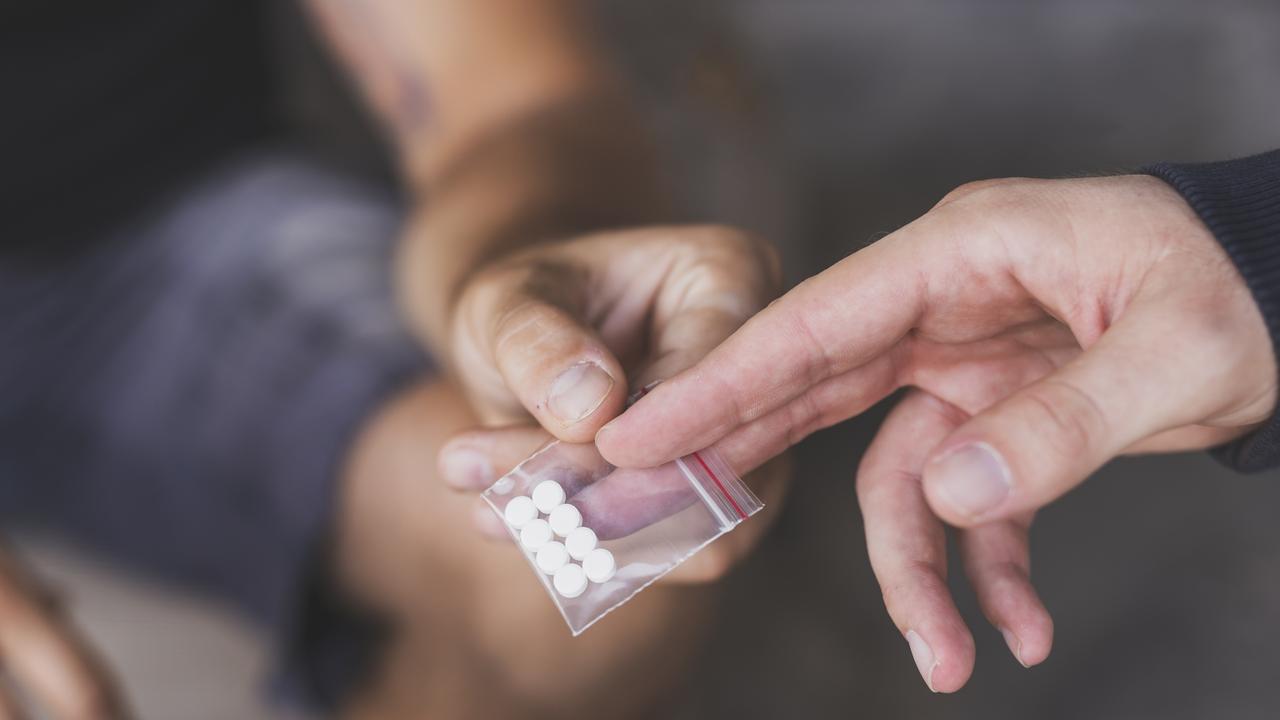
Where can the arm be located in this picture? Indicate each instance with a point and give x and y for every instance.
(522, 159)
(510, 126)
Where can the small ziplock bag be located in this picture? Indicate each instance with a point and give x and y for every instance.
(640, 523)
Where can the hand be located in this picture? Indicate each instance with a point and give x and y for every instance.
(563, 332)
(1045, 326)
(44, 657)
(560, 332)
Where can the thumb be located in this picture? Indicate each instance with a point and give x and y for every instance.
(1141, 377)
(520, 337)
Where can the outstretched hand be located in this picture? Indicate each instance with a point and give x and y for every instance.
(1045, 327)
(551, 341)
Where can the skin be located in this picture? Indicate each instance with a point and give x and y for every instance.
(513, 278)
(1041, 327)
(43, 654)
(519, 151)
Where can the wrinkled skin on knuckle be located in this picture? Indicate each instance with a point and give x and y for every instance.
(471, 352)
(740, 257)
(978, 192)
(720, 276)
(474, 302)
(1069, 422)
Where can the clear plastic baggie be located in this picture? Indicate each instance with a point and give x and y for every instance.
(640, 523)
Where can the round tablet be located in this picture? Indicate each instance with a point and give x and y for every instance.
(570, 581)
(535, 534)
(579, 542)
(547, 495)
(564, 518)
(551, 557)
(599, 565)
(519, 511)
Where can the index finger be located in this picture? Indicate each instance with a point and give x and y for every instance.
(828, 325)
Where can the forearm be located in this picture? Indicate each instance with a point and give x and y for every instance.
(509, 126)
(577, 164)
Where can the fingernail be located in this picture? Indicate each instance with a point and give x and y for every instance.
(923, 655)
(973, 479)
(578, 391)
(1015, 645)
(466, 468)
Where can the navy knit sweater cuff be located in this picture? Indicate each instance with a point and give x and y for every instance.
(1240, 202)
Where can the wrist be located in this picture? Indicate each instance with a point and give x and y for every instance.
(580, 164)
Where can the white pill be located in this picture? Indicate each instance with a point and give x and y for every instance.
(570, 581)
(564, 518)
(599, 565)
(552, 556)
(535, 534)
(580, 542)
(547, 495)
(519, 511)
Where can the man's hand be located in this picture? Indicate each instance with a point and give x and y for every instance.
(513, 132)
(43, 658)
(564, 332)
(1045, 326)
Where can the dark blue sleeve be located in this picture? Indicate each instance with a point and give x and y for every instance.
(1239, 200)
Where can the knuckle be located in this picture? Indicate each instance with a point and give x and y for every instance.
(734, 257)
(1069, 421)
(476, 300)
(1002, 578)
(909, 581)
(725, 237)
(979, 191)
(805, 416)
(526, 323)
(484, 286)
(876, 488)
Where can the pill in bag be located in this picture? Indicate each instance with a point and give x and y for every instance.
(596, 535)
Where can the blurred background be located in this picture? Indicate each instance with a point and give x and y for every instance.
(825, 124)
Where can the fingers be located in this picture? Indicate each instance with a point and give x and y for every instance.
(613, 502)
(528, 329)
(907, 544)
(997, 561)
(718, 278)
(562, 373)
(46, 657)
(821, 406)
(828, 325)
(473, 460)
(1035, 445)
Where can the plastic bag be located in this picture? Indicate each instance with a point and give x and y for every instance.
(645, 521)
